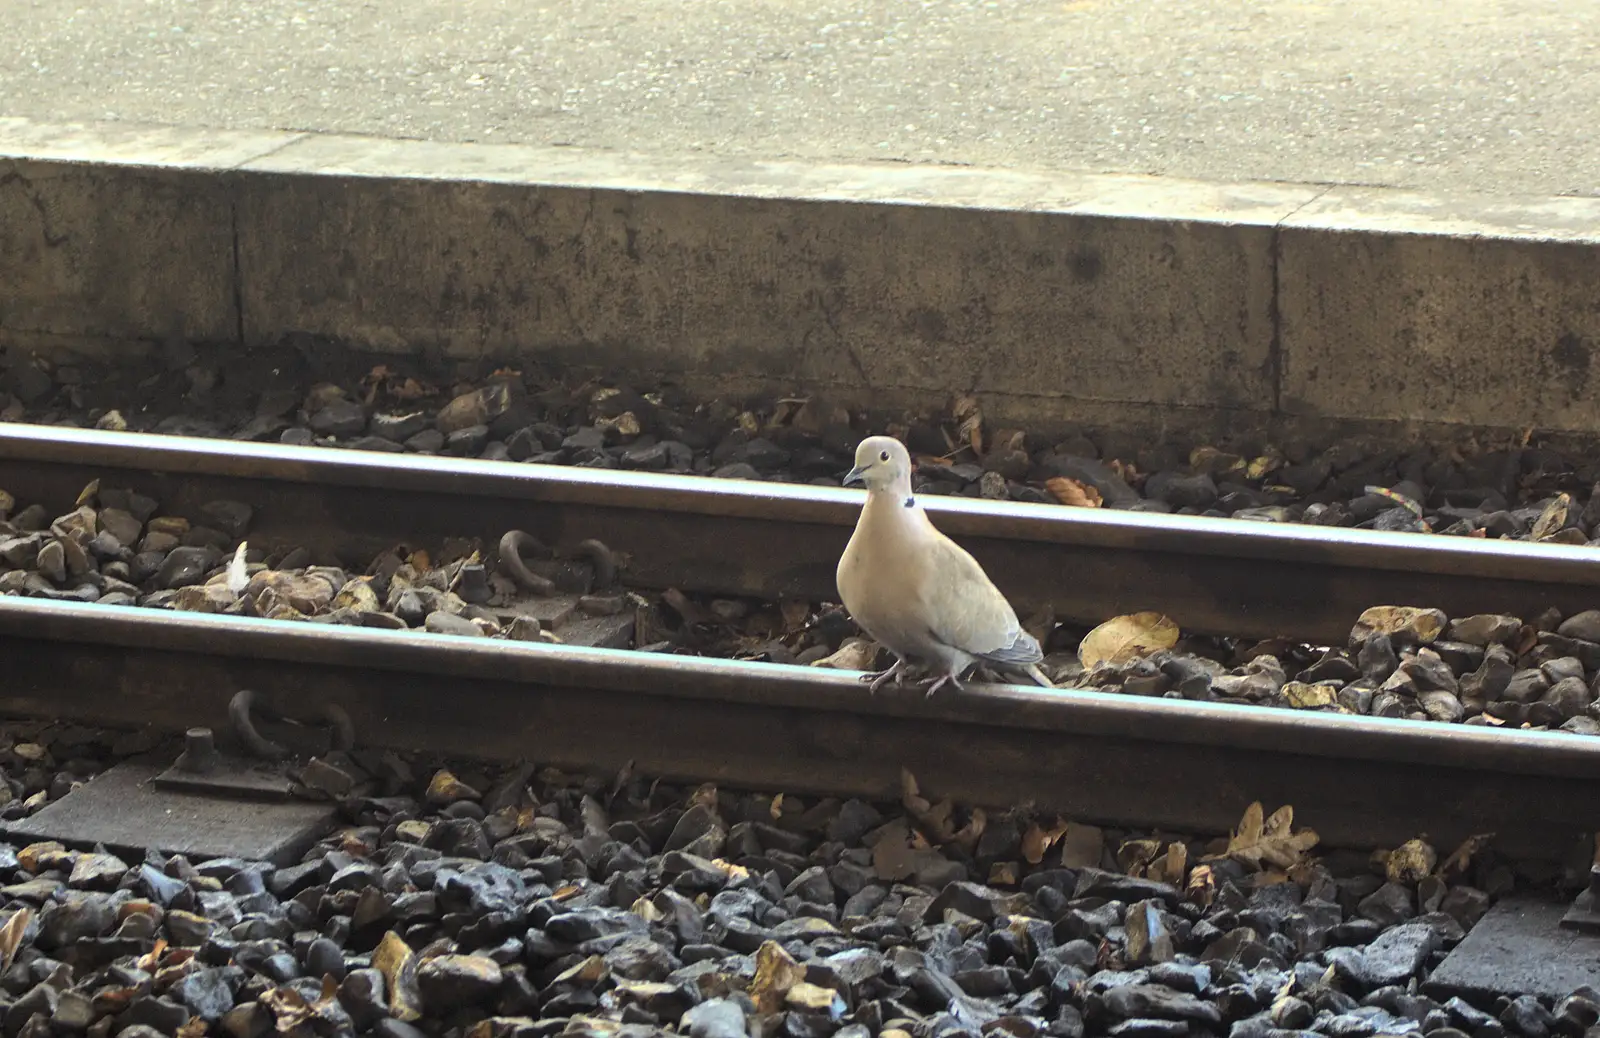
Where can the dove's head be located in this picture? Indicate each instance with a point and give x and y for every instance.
(881, 464)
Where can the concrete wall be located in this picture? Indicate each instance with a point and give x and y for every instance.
(1057, 299)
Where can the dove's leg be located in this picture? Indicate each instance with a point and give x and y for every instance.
(948, 678)
(875, 679)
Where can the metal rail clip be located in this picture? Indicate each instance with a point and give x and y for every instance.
(1584, 913)
(259, 768)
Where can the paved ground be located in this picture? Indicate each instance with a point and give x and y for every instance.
(1495, 96)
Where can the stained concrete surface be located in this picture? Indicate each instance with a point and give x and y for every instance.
(1491, 96)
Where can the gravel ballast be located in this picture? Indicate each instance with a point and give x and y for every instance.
(315, 394)
(459, 899)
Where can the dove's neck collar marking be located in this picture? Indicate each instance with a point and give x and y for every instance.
(910, 501)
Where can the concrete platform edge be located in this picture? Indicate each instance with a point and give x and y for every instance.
(1057, 298)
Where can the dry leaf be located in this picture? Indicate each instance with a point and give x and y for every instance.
(1410, 861)
(1124, 638)
(854, 654)
(393, 958)
(795, 612)
(1461, 857)
(1126, 471)
(969, 423)
(924, 460)
(776, 973)
(1269, 841)
(87, 494)
(968, 835)
(151, 960)
(1135, 855)
(1008, 440)
(704, 795)
(1551, 521)
(1202, 886)
(1073, 493)
(11, 935)
(1400, 499)
(1172, 866)
(194, 1027)
(1218, 463)
(775, 811)
(933, 818)
(1263, 466)
(1036, 841)
(1004, 874)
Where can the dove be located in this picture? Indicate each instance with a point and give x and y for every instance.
(917, 592)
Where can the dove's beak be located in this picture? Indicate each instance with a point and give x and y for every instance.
(853, 476)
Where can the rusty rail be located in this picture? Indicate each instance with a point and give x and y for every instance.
(767, 540)
(1183, 766)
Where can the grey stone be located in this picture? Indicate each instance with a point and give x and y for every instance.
(1398, 953)
(714, 1018)
(338, 417)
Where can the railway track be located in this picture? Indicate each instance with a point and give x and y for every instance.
(1131, 764)
(1115, 758)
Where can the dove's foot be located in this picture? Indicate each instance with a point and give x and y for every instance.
(944, 679)
(876, 679)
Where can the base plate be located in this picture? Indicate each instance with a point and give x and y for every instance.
(1518, 948)
(123, 809)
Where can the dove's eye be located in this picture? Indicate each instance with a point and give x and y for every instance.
(884, 456)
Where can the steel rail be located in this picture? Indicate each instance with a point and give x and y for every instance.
(1117, 759)
(769, 540)
(1359, 781)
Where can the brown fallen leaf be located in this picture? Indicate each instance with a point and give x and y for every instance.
(795, 612)
(775, 809)
(705, 795)
(1008, 440)
(1126, 471)
(1202, 886)
(1134, 856)
(1270, 841)
(1073, 493)
(394, 959)
(87, 494)
(968, 835)
(1037, 840)
(151, 960)
(1457, 862)
(969, 423)
(776, 972)
(1551, 521)
(1172, 866)
(11, 935)
(1123, 638)
(690, 611)
(934, 819)
(1218, 463)
(1410, 861)
(853, 654)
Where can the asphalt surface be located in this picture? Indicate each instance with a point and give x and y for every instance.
(1492, 96)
